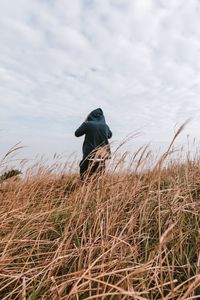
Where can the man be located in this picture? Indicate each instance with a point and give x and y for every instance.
(96, 148)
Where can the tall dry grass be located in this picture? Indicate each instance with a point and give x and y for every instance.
(125, 235)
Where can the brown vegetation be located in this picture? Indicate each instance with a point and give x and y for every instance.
(124, 235)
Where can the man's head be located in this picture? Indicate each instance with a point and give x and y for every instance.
(96, 115)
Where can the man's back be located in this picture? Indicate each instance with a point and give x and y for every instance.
(96, 132)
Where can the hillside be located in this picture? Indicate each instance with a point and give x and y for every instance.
(121, 236)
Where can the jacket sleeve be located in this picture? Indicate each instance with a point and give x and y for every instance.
(109, 133)
(81, 130)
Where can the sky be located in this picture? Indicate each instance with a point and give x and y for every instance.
(139, 60)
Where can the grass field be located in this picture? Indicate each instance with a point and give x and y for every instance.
(125, 235)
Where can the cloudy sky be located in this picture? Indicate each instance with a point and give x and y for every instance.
(137, 59)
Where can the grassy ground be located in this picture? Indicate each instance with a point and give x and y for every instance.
(121, 236)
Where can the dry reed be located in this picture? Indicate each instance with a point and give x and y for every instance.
(124, 235)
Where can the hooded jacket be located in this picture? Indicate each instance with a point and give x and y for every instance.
(96, 132)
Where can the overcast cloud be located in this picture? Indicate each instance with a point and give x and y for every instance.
(137, 59)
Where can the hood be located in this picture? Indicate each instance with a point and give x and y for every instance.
(97, 115)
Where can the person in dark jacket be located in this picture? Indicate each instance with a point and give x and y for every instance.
(96, 148)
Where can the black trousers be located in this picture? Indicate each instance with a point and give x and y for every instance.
(89, 168)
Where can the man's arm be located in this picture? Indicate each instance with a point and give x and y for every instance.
(81, 130)
(109, 133)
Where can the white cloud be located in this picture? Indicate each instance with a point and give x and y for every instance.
(138, 60)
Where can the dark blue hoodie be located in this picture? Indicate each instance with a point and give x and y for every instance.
(96, 132)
